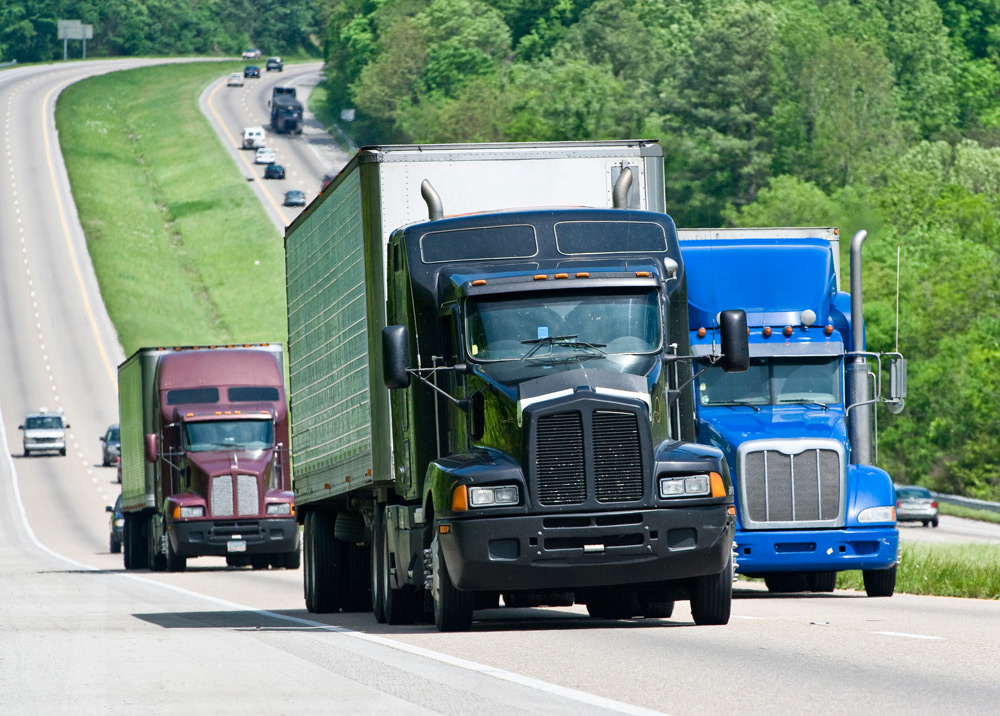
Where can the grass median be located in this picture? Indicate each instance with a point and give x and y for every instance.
(183, 251)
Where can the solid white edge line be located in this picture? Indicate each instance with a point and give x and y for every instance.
(502, 674)
(906, 636)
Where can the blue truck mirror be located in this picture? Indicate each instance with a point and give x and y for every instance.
(395, 357)
(735, 344)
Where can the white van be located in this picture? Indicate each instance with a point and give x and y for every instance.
(253, 138)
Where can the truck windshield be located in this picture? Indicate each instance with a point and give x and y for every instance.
(773, 381)
(228, 435)
(565, 325)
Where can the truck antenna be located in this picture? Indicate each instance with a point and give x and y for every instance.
(435, 209)
(896, 349)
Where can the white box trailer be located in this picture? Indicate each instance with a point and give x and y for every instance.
(336, 272)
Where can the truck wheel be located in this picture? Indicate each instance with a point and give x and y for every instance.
(399, 606)
(613, 605)
(288, 560)
(63, 452)
(134, 543)
(653, 607)
(452, 607)
(358, 597)
(377, 560)
(156, 561)
(27, 452)
(821, 581)
(175, 563)
(879, 582)
(712, 598)
(307, 559)
(327, 567)
(789, 583)
(259, 561)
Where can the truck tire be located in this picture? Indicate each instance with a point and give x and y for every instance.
(399, 606)
(452, 607)
(288, 560)
(259, 561)
(134, 543)
(879, 582)
(789, 583)
(307, 558)
(358, 593)
(613, 605)
(157, 561)
(652, 606)
(327, 567)
(821, 581)
(712, 597)
(174, 562)
(377, 562)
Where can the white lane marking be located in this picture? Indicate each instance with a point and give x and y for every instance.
(906, 636)
(485, 670)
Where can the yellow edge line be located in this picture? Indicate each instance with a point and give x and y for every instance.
(65, 225)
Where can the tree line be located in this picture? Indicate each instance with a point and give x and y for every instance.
(29, 28)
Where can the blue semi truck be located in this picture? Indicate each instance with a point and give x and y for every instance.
(797, 428)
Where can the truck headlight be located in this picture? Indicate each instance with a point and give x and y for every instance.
(279, 508)
(878, 514)
(188, 512)
(485, 496)
(693, 486)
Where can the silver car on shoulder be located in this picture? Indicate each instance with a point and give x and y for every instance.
(916, 504)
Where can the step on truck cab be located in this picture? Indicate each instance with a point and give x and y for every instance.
(796, 428)
(204, 441)
(490, 403)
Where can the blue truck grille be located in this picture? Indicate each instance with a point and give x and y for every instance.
(562, 457)
(781, 487)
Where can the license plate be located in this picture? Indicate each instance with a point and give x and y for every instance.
(236, 545)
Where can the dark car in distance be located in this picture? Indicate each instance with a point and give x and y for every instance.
(111, 446)
(275, 63)
(116, 526)
(274, 171)
(916, 504)
(295, 198)
(251, 71)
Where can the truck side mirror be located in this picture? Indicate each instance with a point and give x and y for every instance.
(152, 448)
(897, 384)
(735, 343)
(395, 357)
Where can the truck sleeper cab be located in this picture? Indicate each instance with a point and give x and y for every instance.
(563, 474)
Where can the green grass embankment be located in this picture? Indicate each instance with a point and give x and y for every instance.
(966, 570)
(183, 250)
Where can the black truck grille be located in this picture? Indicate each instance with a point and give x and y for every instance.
(562, 456)
(804, 487)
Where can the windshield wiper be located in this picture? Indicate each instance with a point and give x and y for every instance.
(567, 341)
(804, 401)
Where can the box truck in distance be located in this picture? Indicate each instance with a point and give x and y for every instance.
(493, 403)
(204, 443)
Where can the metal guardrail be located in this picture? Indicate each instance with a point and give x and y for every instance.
(967, 502)
(8, 64)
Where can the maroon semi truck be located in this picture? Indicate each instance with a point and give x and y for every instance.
(205, 471)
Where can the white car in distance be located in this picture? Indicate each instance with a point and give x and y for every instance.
(265, 155)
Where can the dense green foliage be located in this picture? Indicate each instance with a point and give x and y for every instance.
(855, 113)
(183, 250)
(29, 29)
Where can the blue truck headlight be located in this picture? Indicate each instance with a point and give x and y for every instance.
(693, 486)
(878, 514)
(485, 496)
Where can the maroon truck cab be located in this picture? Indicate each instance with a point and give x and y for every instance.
(216, 438)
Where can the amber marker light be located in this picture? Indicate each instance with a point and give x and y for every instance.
(732, 510)
(787, 331)
(718, 486)
(767, 331)
(702, 332)
(562, 275)
(642, 274)
(479, 282)
(582, 274)
(540, 276)
(828, 330)
(460, 499)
